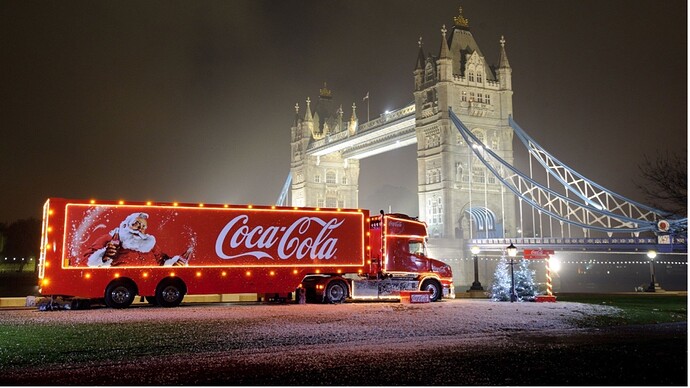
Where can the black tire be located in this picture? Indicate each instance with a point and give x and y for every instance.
(119, 294)
(336, 292)
(170, 293)
(434, 288)
(151, 300)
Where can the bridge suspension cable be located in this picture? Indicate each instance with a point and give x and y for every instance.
(591, 209)
(283, 197)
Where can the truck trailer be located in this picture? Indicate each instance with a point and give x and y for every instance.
(115, 250)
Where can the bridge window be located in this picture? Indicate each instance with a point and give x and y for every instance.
(487, 98)
(435, 211)
(477, 175)
(479, 77)
(317, 178)
(331, 202)
(471, 96)
(320, 202)
(343, 180)
(480, 98)
(491, 179)
(464, 97)
(471, 77)
(330, 177)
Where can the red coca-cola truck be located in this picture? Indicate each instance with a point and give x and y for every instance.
(162, 251)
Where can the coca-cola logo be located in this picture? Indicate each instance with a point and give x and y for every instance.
(306, 237)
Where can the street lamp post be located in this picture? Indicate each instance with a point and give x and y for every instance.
(512, 252)
(653, 286)
(476, 285)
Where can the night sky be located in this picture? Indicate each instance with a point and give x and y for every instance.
(193, 101)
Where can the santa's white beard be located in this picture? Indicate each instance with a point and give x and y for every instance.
(137, 241)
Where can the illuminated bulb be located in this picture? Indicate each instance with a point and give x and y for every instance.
(175, 204)
(145, 274)
(148, 203)
(250, 206)
(47, 246)
(296, 208)
(45, 282)
(294, 271)
(339, 271)
(117, 275)
(88, 276)
(92, 201)
(47, 264)
(226, 205)
(359, 271)
(368, 233)
(198, 274)
(248, 273)
(223, 273)
(201, 205)
(50, 212)
(318, 271)
(273, 207)
(272, 273)
(121, 202)
(50, 229)
(172, 274)
(318, 209)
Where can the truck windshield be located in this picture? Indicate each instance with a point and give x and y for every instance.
(417, 248)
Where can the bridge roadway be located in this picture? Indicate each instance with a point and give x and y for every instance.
(677, 245)
(391, 130)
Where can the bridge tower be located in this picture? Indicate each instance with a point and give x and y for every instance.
(458, 198)
(329, 180)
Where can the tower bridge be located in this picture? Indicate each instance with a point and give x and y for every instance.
(469, 192)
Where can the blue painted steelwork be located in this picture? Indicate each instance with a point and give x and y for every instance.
(676, 244)
(584, 213)
(283, 197)
(589, 191)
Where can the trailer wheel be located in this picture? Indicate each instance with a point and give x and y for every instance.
(336, 292)
(119, 294)
(170, 293)
(434, 288)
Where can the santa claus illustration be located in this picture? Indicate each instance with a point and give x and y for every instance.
(130, 245)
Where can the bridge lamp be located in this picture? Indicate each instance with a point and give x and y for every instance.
(512, 252)
(476, 285)
(554, 264)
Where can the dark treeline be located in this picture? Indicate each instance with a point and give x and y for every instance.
(20, 239)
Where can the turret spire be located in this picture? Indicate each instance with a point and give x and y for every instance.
(460, 21)
(503, 58)
(307, 116)
(444, 43)
(420, 56)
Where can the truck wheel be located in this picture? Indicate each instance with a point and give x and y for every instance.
(119, 295)
(336, 292)
(169, 294)
(434, 288)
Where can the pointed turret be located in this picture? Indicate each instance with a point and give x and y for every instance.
(352, 125)
(503, 58)
(420, 56)
(308, 116)
(504, 70)
(445, 62)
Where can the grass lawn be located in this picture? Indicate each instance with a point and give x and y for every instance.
(639, 308)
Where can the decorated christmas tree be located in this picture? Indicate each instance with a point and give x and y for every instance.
(525, 288)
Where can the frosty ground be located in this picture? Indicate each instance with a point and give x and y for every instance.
(453, 342)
